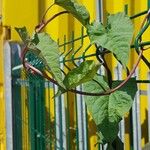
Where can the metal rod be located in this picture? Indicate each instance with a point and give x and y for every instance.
(139, 14)
(148, 90)
(80, 121)
(118, 76)
(63, 112)
(8, 96)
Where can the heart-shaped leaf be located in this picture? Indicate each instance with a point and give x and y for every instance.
(77, 76)
(77, 10)
(116, 36)
(85, 72)
(107, 111)
(50, 51)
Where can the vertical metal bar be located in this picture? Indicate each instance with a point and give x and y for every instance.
(68, 125)
(85, 125)
(40, 123)
(79, 121)
(99, 10)
(148, 90)
(64, 133)
(49, 115)
(118, 76)
(134, 124)
(63, 112)
(31, 115)
(37, 116)
(138, 114)
(41, 120)
(8, 96)
(58, 123)
(136, 119)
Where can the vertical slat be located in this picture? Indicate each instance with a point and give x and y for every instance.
(148, 107)
(99, 10)
(37, 115)
(118, 76)
(49, 141)
(68, 125)
(136, 119)
(63, 111)
(31, 116)
(58, 124)
(41, 119)
(138, 114)
(85, 125)
(8, 96)
(80, 120)
(64, 134)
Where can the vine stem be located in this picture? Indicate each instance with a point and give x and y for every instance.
(28, 66)
(93, 94)
(38, 29)
(43, 24)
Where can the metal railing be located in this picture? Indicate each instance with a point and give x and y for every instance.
(41, 121)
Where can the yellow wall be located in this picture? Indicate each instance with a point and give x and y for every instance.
(28, 13)
(2, 101)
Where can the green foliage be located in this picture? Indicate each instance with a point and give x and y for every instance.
(107, 111)
(130, 87)
(116, 36)
(77, 76)
(77, 10)
(50, 51)
(23, 33)
(85, 72)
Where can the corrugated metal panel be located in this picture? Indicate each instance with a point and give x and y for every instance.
(30, 14)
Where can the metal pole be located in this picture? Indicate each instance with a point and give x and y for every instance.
(8, 96)
(148, 91)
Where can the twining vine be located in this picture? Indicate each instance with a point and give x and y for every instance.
(107, 100)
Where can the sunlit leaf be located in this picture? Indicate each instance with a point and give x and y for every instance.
(85, 72)
(107, 111)
(77, 10)
(50, 51)
(116, 36)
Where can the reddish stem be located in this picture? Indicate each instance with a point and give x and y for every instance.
(40, 27)
(43, 24)
(94, 94)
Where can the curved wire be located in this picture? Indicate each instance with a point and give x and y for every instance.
(137, 47)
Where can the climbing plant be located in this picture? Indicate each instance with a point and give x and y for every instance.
(107, 100)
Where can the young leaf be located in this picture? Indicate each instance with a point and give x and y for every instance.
(107, 111)
(23, 33)
(77, 10)
(85, 72)
(50, 51)
(116, 37)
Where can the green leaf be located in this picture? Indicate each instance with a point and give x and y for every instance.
(50, 51)
(116, 37)
(85, 72)
(77, 10)
(23, 33)
(130, 87)
(107, 111)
